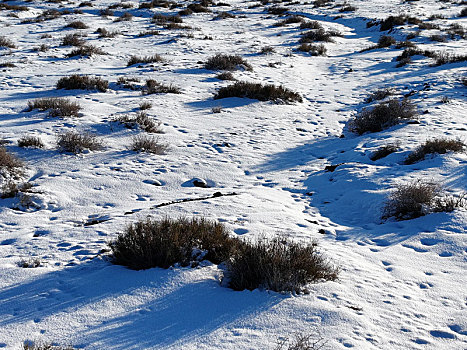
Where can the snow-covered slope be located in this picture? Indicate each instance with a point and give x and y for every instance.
(402, 284)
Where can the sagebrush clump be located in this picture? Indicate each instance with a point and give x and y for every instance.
(82, 82)
(57, 107)
(166, 242)
(227, 62)
(147, 143)
(278, 264)
(382, 116)
(258, 92)
(78, 142)
(436, 146)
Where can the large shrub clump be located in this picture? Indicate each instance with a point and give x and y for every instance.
(382, 116)
(259, 92)
(164, 243)
(278, 264)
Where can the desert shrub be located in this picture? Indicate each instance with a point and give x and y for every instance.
(86, 51)
(149, 33)
(185, 12)
(42, 48)
(379, 95)
(463, 12)
(266, 50)
(161, 19)
(277, 10)
(386, 41)
(198, 8)
(384, 151)
(154, 87)
(382, 116)
(314, 50)
(438, 38)
(302, 342)
(149, 144)
(82, 82)
(258, 91)
(229, 76)
(6, 43)
(57, 107)
(44, 346)
(277, 264)
(129, 82)
(310, 25)
(145, 105)
(77, 25)
(13, 7)
(392, 21)
(289, 20)
(446, 57)
(418, 198)
(227, 62)
(224, 15)
(167, 242)
(29, 263)
(347, 8)
(318, 35)
(321, 3)
(7, 65)
(410, 201)
(145, 59)
(438, 146)
(141, 120)
(106, 12)
(74, 39)
(9, 161)
(30, 141)
(125, 17)
(104, 33)
(76, 142)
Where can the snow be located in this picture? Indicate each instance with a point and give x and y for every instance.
(402, 284)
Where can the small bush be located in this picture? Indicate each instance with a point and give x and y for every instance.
(57, 107)
(9, 161)
(418, 198)
(266, 50)
(278, 264)
(384, 151)
(463, 12)
(75, 142)
(125, 17)
(386, 41)
(438, 146)
(154, 87)
(74, 39)
(302, 342)
(104, 33)
(314, 50)
(141, 120)
(149, 144)
(229, 76)
(382, 116)
(167, 242)
(30, 141)
(86, 51)
(318, 35)
(290, 20)
(227, 62)
(44, 346)
(77, 25)
(198, 8)
(146, 59)
(29, 263)
(311, 25)
(145, 105)
(5, 42)
(82, 82)
(379, 95)
(258, 92)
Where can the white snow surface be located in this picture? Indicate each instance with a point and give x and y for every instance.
(402, 284)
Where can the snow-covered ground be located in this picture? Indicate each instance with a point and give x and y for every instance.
(402, 284)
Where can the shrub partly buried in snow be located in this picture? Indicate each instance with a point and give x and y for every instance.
(258, 91)
(164, 243)
(278, 264)
(436, 146)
